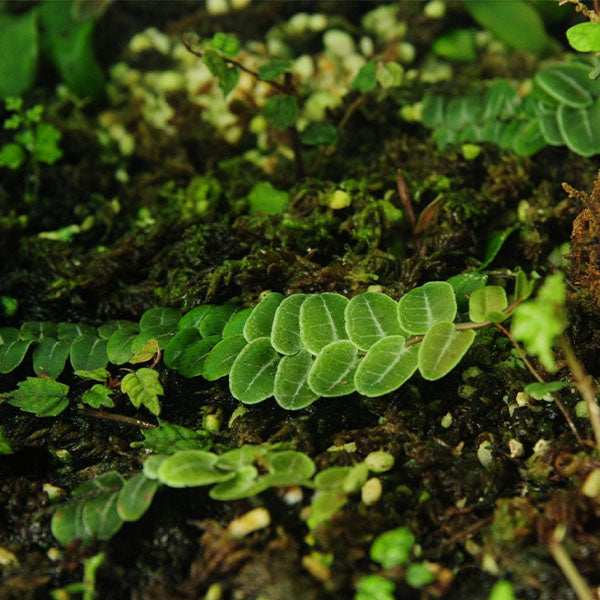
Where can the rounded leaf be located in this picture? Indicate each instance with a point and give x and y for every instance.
(322, 320)
(485, 303)
(135, 497)
(386, 366)
(580, 128)
(220, 359)
(567, 84)
(260, 321)
(291, 381)
(424, 306)
(118, 349)
(88, 353)
(50, 356)
(235, 325)
(191, 468)
(332, 373)
(285, 333)
(167, 317)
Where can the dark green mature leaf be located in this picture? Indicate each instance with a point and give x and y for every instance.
(220, 359)
(67, 524)
(38, 330)
(235, 325)
(12, 355)
(319, 134)
(228, 75)
(190, 363)
(69, 331)
(457, 45)
(168, 438)
(9, 334)
(135, 497)
(50, 356)
(366, 79)
(18, 52)
(494, 245)
(273, 69)
(70, 46)
(119, 344)
(529, 139)
(567, 83)
(178, 344)
(100, 516)
(88, 353)
(160, 317)
(39, 395)
(580, 128)
(281, 111)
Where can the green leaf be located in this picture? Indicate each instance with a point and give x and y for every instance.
(88, 353)
(168, 438)
(70, 46)
(152, 464)
(366, 80)
(178, 345)
(49, 357)
(67, 332)
(324, 505)
(457, 45)
(502, 590)
(273, 69)
(442, 348)
(244, 484)
(247, 454)
(386, 366)
(38, 330)
(135, 497)
(260, 321)
(424, 306)
(118, 348)
(220, 359)
(105, 331)
(285, 332)
(235, 325)
(18, 53)
(289, 467)
(356, 478)
(143, 387)
(433, 110)
(580, 128)
(331, 478)
(462, 111)
(529, 139)
(11, 155)
(100, 516)
(228, 75)
(109, 481)
(66, 523)
(252, 376)
(12, 355)
(5, 446)
(500, 101)
(45, 148)
(281, 111)
(160, 317)
(392, 548)
(94, 375)
(494, 245)
(322, 320)
(319, 134)
(487, 304)
(332, 373)
(523, 286)
(266, 199)
(550, 129)
(226, 44)
(42, 396)
(9, 335)
(515, 22)
(418, 575)
(193, 319)
(97, 396)
(540, 390)
(191, 468)
(567, 83)
(291, 389)
(584, 37)
(375, 587)
(370, 317)
(190, 363)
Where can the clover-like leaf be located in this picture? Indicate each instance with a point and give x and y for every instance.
(252, 375)
(442, 348)
(386, 366)
(424, 306)
(322, 320)
(370, 317)
(332, 373)
(143, 387)
(97, 396)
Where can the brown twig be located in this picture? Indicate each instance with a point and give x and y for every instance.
(583, 9)
(100, 414)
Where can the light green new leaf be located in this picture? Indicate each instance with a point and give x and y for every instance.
(289, 468)
(542, 389)
(324, 505)
(38, 330)
(235, 325)
(191, 468)
(135, 497)
(225, 43)
(167, 317)
(268, 200)
(245, 484)
(487, 304)
(374, 587)
(322, 320)
(386, 366)
(18, 52)
(12, 355)
(291, 381)
(227, 75)
(332, 373)
(370, 317)
(49, 357)
(168, 438)
(356, 478)
(69, 331)
(580, 128)
(220, 359)
(332, 478)
(42, 396)
(393, 547)
(88, 353)
(285, 333)
(119, 344)
(260, 321)
(252, 376)
(425, 306)
(273, 69)
(152, 464)
(585, 37)
(100, 517)
(161, 334)
(442, 348)
(567, 84)
(97, 396)
(143, 387)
